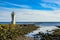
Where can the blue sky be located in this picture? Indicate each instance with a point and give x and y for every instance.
(34, 4)
(30, 10)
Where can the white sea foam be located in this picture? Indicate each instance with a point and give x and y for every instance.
(42, 29)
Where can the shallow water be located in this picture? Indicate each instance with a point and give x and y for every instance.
(42, 29)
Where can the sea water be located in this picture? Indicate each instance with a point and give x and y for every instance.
(37, 23)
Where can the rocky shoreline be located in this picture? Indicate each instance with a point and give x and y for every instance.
(46, 33)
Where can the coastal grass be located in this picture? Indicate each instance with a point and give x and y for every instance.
(11, 31)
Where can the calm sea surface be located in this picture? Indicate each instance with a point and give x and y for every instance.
(37, 23)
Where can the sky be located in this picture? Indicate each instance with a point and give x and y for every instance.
(30, 10)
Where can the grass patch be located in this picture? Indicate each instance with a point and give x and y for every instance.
(10, 31)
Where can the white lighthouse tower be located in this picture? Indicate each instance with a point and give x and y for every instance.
(13, 18)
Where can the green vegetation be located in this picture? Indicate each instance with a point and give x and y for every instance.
(11, 32)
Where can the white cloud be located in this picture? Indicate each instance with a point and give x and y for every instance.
(49, 6)
(52, 1)
(18, 5)
(54, 4)
(28, 15)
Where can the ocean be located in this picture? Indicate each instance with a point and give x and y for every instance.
(37, 23)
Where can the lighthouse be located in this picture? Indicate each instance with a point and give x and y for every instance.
(13, 18)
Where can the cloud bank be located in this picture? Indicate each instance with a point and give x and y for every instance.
(29, 15)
